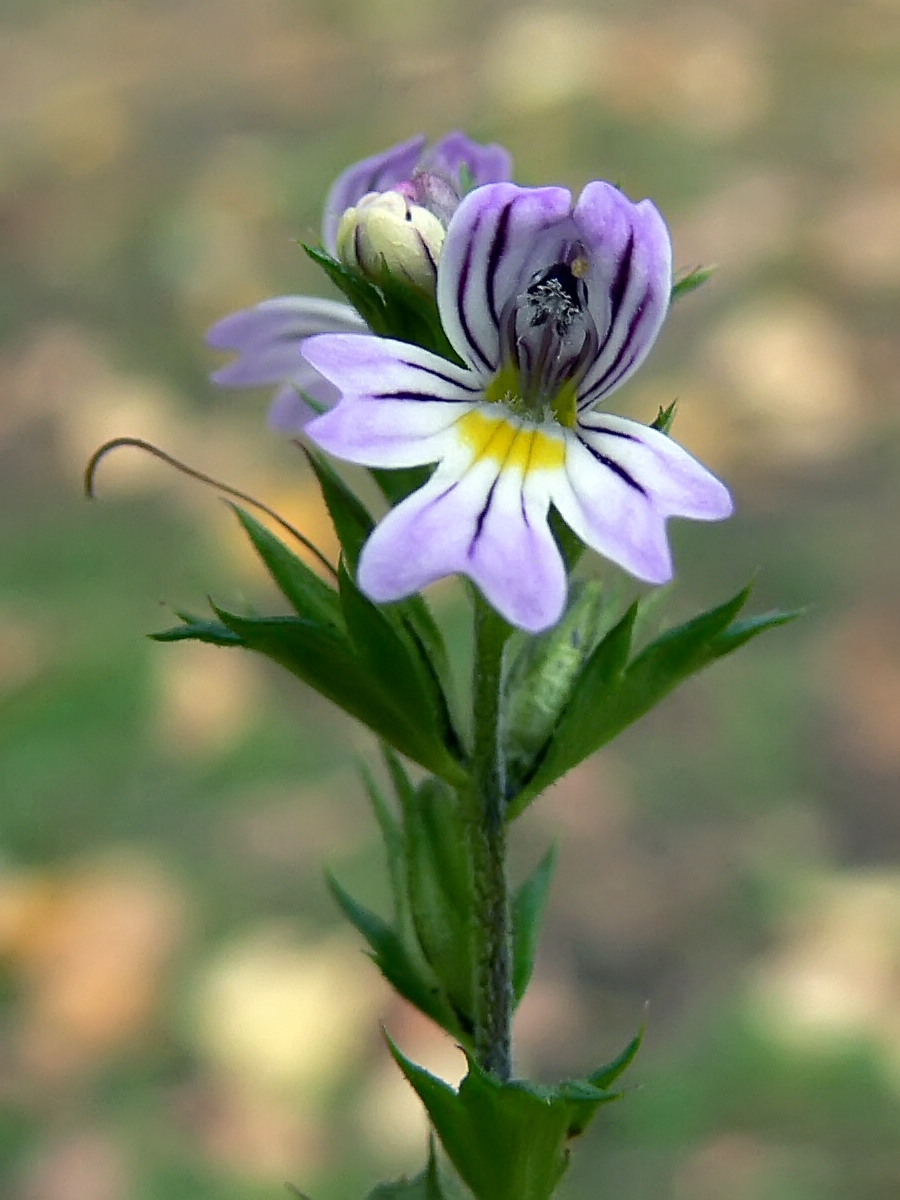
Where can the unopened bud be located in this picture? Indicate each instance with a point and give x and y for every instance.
(386, 234)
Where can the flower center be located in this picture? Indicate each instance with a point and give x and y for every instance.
(548, 340)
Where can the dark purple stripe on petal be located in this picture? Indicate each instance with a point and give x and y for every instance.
(498, 247)
(619, 286)
(625, 356)
(479, 524)
(619, 433)
(615, 467)
(460, 305)
(440, 375)
(424, 396)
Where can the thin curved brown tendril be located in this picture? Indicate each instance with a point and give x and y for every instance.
(139, 444)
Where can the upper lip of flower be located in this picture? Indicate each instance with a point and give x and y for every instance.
(550, 306)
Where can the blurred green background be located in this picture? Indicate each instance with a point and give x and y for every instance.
(182, 1016)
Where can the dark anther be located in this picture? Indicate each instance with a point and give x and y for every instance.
(556, 295)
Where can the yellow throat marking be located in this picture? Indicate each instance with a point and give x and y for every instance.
(522, 447)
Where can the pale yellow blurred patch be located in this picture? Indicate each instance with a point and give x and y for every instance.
(719, 84)
(90, 946)
(82, 130)
(537, 57)
(207, 697)
(858, 238)
(701, 70)
(282, 1015)
(834, 977)
(787, 367)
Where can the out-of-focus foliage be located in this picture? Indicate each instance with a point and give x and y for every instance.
(180, 1008)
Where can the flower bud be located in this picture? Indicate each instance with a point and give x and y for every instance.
(387, 234)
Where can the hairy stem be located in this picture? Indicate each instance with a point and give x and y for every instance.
(487, 839)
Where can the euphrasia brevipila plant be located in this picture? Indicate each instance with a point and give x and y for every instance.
(486, 327)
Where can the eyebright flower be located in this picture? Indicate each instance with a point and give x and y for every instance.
(268, 336)
(551, 307)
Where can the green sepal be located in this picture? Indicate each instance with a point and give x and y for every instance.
(508, 1141)
(441, 890)
(690, 281)
(611, 693)
(327, 660)
(406, 974)
(364, 295)
(665, 418)
(539, 681)
(571, 547)
(604, 1077)
(395, 485)
(392, 307)
(308, 595)
(389, 657)
(528, 907)
(424, 1186)
(351, 519)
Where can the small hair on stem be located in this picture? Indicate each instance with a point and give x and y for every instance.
(148, 447)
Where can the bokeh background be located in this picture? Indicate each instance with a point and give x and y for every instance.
(182, 1016)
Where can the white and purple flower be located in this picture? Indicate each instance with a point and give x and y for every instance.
(268, 336)
(551, 307)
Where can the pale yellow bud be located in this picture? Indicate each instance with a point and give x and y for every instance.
(386, 234)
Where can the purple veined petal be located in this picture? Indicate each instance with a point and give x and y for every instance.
(612, 513)
(378, 368)
(629, 281)
(499, 236)
(289, 411)
(398, 401)
(485, 164)
(478, 521)
(678, 485)
(267, 337)
(388, 433)
(375, 174)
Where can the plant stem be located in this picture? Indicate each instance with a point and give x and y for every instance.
(485, 807)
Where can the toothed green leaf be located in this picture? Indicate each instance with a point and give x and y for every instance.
(309, 596)
(508, 1141)
(412, 979)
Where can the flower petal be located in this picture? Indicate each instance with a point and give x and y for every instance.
(481, 521)
(398, 400)
(629, 281)
(485, 164)
(679, 485)
(612, 513)
(375, 174)
(499, 236)
(289, 411)
(268, 336)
